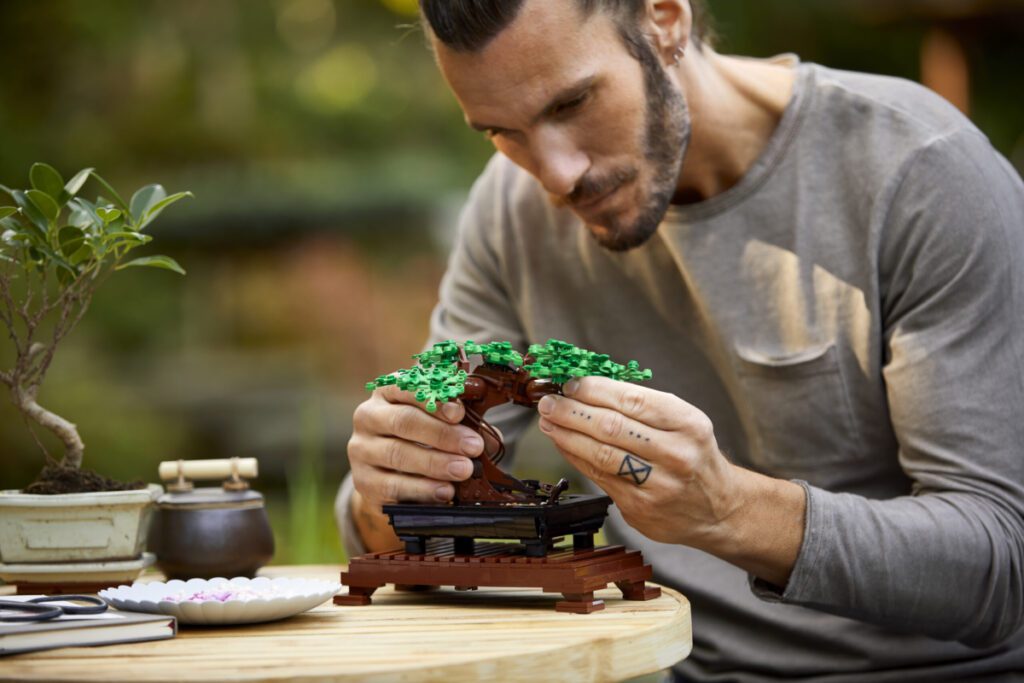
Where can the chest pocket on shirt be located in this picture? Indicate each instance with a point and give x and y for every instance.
(800, 408)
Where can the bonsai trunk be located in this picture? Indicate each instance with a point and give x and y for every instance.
(65, 431)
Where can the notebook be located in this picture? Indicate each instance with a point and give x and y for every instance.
(107, 628)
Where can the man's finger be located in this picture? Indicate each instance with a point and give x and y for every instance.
(604, 464)
(412, 424)
(449, 411)
(392, 394)
(605, 425)
(399, 455)
(654, 408)
(385, 487)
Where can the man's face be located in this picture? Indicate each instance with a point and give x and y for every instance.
(561, 95)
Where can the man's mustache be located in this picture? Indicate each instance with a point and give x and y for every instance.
(592, 187)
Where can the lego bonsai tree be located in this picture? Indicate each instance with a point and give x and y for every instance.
(56, 248)
(504, 376)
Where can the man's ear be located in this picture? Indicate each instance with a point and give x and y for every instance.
(669, 23)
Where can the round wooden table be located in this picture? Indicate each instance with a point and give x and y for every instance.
(493, 634)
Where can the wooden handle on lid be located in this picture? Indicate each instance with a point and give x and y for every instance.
(223, 468)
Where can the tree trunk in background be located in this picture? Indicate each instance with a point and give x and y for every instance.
(67, 432)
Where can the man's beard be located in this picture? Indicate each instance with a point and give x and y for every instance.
(666, 137)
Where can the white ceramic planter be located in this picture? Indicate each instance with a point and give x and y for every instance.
(75, 527)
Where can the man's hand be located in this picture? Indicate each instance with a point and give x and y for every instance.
(657, 457)
(400, 452)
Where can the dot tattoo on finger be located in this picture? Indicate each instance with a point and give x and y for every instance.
(639, 436)
(635, 468)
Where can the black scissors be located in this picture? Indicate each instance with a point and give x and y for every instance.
(34, 610)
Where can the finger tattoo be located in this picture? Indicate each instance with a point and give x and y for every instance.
(639, 436)
(582, 414)
(635, 468)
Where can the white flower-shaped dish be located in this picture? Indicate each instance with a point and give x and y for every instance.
(222, 601)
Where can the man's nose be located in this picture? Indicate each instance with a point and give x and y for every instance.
(560, 164)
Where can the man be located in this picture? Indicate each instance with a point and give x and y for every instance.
(824, 271)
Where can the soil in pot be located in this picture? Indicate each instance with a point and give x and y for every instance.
(56, 479)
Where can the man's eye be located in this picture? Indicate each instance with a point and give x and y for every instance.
(570, 105)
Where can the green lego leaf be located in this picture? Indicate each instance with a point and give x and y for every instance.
(497, 353)
(429, 385)
(438, 379)
(561, 361)
(442, 353)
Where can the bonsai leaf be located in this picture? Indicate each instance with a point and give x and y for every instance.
(45, 256)
(6, 211)
(165, 262)
(108, 214)
(11, 239)
(45, 178)
(46, 204)
(144, 199)
(113, 193)
(155, 210)
(75, 184)
(130, 237)
(18, 237)
(29, 235)
(83, 215)
(30, 210)
(71, 240)
(122, 241)
(66, 273)
(86, 252)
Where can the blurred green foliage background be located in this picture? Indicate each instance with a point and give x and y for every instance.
(328, 163)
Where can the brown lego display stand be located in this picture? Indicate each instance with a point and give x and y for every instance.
(575, 573)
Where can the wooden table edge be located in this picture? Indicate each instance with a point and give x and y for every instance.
(654, 648)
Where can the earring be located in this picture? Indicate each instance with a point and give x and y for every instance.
(679, 53)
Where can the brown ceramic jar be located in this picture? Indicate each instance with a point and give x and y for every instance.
(209, 532)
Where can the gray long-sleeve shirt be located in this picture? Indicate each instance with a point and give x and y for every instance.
(851, 316)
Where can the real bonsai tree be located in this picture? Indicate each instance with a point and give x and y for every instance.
(56, 248)
(504, 376)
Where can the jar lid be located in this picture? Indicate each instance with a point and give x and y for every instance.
(211, 496)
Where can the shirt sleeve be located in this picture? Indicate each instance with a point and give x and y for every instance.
(947, 560)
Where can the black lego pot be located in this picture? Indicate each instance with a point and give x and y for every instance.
(208, 532)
